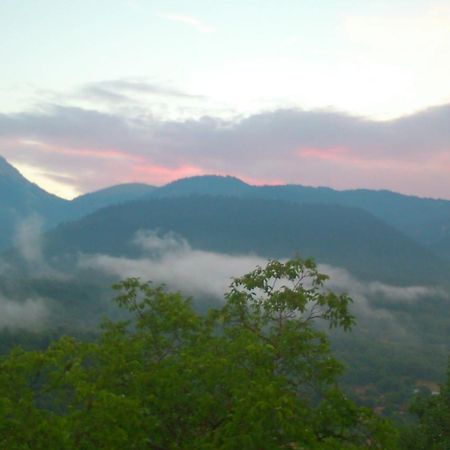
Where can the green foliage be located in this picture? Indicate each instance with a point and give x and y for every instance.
(256, 374)
(433, 430)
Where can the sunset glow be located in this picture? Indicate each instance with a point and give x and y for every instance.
(330, 93)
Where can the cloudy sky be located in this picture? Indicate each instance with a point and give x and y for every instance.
(319, 92)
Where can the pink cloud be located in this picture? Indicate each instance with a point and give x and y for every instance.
(326, 154)
(258, 181)
(410, 155)
(84, 152)
(350, 158)
(155, 174)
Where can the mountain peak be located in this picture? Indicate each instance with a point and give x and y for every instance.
(9, 171)
(212, 179)
(204, 184)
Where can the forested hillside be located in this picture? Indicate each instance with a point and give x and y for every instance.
(24, 205)
(20, 200)
(255, 373)
(426, 221)
(195, 234)
(423, 219)
(343, 236)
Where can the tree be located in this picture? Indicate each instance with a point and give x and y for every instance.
(256, 374)
(433, 429)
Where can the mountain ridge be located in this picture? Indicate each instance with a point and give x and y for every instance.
(333, 234)
(425, 220)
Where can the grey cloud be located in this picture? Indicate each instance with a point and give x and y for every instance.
(72, 127)
(154, 244)
(263, 146)
(100, 92)
(280, 132)
(170, 259)
(122, 91)
(403, 294)
(176, 264)
(30, 314)
(425, 130)
(29, 243)
(363, 293)
(341, 279)
(283, 132)
(27, 239)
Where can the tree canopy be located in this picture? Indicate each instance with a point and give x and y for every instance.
(433, 413)
(257, 373)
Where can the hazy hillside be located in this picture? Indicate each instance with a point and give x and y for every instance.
(423, 219)
(122, 193)
(338, 235)
(21, 200)
(427, 221)
(442, 247)
(23, 203)
(206, 184)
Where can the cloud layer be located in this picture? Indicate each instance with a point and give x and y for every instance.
(31, 314)
(169, 259)
(29, 244)
(93, 149)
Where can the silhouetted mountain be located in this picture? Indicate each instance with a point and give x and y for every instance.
(20, 199)
(204, 185)
(334, 234)
(423, 219)
(122, 193)
(427, 221)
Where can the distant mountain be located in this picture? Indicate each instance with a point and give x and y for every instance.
(427, 221)
(122, 193)
(442, 247)
(334, 234)
(20, 199)
(423, 219)
(204, 185)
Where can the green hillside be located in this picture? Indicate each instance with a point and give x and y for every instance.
(333, 234)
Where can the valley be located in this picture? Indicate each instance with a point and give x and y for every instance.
(61, 257)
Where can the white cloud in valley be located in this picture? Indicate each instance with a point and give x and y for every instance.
(169, 259)
(29, 243)
(31, 314)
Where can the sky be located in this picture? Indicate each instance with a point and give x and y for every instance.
(332, 93)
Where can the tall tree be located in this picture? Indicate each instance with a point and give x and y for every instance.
(433, 429)
(256, 374)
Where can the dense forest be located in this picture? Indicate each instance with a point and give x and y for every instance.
(256, 373)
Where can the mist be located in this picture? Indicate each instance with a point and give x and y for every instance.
(29, 243)
(169, 259)
(31, 314)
